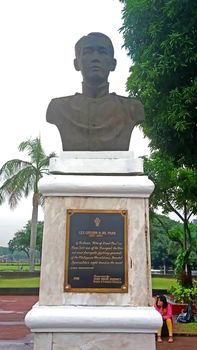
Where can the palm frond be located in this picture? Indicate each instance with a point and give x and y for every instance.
(34, 149)
(11, 167)
(21, 177)
(7, 193)
(18, 185)
(44, 163)
(14, 198)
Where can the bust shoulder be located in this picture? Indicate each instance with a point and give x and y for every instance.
(133, 105)
(125, 99)
(62, 99)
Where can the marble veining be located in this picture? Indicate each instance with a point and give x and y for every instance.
(53, 262)
(97, 341)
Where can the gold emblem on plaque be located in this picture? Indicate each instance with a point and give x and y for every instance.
(97, 221)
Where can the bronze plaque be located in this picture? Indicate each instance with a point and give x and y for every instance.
(96, 251)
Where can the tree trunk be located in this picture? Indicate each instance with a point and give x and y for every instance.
(34, 222)
(186, 276)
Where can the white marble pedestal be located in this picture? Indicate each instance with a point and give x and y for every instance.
(95, 321)
(93, 328)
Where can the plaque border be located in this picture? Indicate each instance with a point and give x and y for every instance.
(67, 287)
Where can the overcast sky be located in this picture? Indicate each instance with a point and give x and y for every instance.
(37, 50)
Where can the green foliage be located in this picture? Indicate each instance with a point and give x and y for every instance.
(176, 234)
(184, 295)
(163, 250)
(21, 240)
(175, 191)
(174, 187)
(20, 178)
(4, 251)
(183, 268)
(160, 37)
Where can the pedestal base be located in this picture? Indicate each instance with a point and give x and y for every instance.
(94, 341)
(93, 328)
(95, 321)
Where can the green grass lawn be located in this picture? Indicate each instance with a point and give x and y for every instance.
(157, 283)
(163, 283)
(15, 267)
(185, 327)
(19, 282)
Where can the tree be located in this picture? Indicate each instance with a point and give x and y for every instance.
(20, 178)
(184, 258)
(160, 37)
(21, 240)
(175, 191)
(163, 250)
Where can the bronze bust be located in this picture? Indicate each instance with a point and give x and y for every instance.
(95, 120)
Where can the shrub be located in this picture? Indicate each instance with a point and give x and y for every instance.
(184, 295)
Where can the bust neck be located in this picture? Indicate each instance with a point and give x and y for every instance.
(95, 91)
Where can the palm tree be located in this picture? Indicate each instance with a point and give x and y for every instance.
(21, 178)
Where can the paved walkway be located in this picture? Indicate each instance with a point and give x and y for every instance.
(14, 335)
(180, 343)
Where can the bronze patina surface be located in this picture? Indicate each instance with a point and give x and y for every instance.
(95, 120)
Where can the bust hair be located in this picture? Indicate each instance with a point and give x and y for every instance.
(79, 43)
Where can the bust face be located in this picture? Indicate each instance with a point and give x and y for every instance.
(95, 60)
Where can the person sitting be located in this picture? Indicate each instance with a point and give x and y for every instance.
(165, 309)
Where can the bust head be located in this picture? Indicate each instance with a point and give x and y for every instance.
(94, 58)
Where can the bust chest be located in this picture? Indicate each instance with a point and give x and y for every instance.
(94, 124)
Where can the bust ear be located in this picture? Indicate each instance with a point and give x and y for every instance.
(76, 64)
(113, 65)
